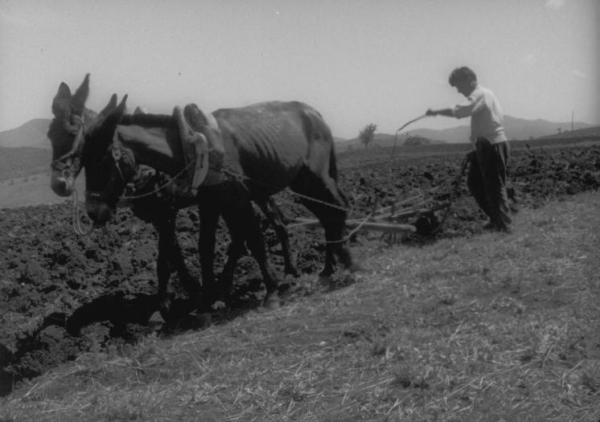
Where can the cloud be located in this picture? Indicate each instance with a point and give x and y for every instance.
(555, 4)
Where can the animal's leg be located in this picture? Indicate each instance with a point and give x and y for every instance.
(163, 264)
(209, 218)
(170, 257)
(276, 218)
(243, 224)
(324, 199)
(235, 251)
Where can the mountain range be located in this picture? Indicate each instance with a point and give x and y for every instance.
(516, 129)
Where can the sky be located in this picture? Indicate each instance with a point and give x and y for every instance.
(356, 61)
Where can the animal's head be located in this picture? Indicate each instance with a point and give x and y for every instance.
(108, 165)
(72, 124)
(67, 135)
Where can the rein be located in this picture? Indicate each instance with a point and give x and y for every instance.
(78, 228)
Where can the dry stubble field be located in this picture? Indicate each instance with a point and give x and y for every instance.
(494, 327)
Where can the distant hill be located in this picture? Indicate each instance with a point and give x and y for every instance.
(30, 134)
(519, 129)
(592, 132)
(516, 129)
(20, 162)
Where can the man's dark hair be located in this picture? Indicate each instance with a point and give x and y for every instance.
(462, 74)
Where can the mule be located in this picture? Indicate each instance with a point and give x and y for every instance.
(267, 147)
(74, 125)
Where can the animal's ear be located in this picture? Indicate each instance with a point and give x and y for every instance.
(100, 136)
(113, 114)
(60, 104)
(112, 104)
(80, 97)
(122, 106)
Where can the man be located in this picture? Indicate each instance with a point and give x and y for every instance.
(487, 170)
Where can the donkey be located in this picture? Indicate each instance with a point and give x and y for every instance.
(267, 147)
(74, 125)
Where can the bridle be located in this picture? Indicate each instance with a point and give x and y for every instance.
(70, 163)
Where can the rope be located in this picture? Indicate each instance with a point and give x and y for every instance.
(352, 232)
(308, 198)
(78, 228)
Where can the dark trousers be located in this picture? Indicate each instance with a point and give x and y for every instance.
(487, 180)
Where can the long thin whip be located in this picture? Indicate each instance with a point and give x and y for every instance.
(397, 134)
(411, 122)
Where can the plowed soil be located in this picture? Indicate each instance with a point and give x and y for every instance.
(55, 284)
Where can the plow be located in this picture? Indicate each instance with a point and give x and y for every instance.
(422, 212)
(419, 214)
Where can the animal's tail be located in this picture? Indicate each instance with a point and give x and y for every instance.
(333, 169)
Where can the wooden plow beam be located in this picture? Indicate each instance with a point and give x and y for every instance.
(354, 223)
(387, 219)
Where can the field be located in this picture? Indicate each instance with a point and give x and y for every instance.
(463, 325)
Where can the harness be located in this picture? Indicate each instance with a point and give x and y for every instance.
(119, 153)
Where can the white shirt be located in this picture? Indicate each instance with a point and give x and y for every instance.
(486, 115)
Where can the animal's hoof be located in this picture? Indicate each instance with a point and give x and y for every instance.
(165, 310)
(204, 320)
(217, 305)
(272, 301)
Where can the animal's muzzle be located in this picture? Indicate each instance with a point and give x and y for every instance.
(61, 183)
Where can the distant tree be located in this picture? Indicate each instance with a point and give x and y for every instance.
(559, 130)
(367, 134)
